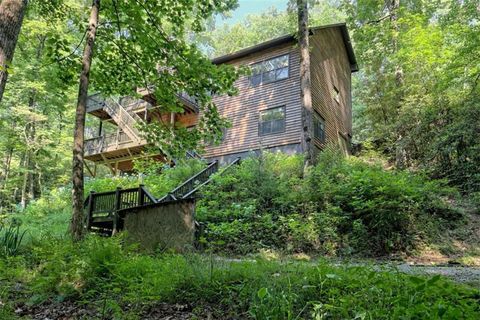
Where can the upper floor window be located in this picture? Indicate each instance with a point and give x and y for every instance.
(271, 121)
(318, 127)
(270, 70)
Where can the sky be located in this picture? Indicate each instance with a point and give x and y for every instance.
(247, 7)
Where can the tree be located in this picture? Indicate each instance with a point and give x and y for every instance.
(11, 17)
(417, 88)
(225, 38)
(305, 81)
(76, 226)
(36, 122)
(143, 44)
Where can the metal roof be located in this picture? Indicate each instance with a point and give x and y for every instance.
(290, 38)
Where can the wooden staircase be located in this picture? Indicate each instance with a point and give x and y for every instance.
(127, 121)
(103, 210)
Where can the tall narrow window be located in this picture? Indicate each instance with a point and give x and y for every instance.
(271, 121)
(318, 127)
(336, 94)
(270, 70)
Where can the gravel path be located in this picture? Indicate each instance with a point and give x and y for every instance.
(460, 274)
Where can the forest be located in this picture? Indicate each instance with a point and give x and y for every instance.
(389, 231)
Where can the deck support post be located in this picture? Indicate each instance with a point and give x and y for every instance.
(118, 202)
(141, 195)
(89, 209)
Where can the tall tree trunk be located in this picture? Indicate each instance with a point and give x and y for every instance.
(76, 225)
(305, 81)
(401, 158)
(4, 178)
(11, 18)
(26, 166)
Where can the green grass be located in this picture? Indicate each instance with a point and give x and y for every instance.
(100, 270)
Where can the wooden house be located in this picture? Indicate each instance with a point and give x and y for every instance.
(267, 112)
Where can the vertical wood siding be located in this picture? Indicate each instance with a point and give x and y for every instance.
(330, 67)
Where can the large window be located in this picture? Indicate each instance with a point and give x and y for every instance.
(269, 70)
(271, 121)
(318, 127)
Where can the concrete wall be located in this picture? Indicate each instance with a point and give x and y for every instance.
(163, 226)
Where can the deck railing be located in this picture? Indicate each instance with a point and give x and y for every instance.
(106, 141)
(106, 205)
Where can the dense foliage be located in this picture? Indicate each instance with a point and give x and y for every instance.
(116, 281)
(417, 96)
(340, 206)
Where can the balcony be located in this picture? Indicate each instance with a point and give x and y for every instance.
(112, 146)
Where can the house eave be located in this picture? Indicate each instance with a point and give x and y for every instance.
(291, 38)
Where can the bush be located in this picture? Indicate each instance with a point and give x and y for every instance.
(340, 206)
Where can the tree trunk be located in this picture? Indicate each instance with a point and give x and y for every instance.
(4, 178)
(11, 18)
(401, 158)
(305, 81)
(26, 166)
(76, 225)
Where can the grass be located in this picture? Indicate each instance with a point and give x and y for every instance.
(120, 281)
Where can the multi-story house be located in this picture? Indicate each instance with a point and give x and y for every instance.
(267, 112)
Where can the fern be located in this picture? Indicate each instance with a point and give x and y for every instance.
(10, 239)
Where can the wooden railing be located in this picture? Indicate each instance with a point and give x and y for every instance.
(185, 189)
(95, 102)
(125, 119)
(104, 142)
(102, 209)
(104, 206)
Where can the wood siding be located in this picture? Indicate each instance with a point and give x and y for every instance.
(330, 67)
(243, 110)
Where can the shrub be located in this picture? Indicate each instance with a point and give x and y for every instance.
(341, 205)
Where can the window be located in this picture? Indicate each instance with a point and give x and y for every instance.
(318, 127)
(269, 70)
(271, 121)
(212, 143)
(336, 94)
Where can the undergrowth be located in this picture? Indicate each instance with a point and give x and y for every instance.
(105, 274)
(341, 206)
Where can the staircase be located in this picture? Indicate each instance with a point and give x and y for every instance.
(102, 210)
(127, 121)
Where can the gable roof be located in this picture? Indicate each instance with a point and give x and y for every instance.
(290, 38)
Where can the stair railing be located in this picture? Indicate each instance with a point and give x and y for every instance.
(190, 184)
(127, 119)
(194, 190)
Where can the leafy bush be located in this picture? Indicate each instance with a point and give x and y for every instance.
(340, 206)
(158, 183)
